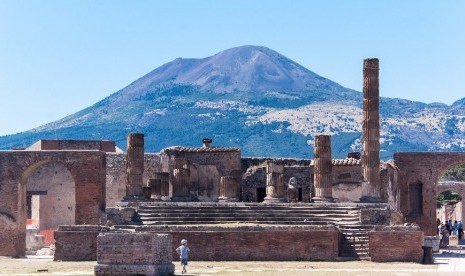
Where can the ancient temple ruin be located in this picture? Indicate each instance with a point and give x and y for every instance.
(320, 209)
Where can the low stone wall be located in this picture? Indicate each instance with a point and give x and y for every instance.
(77, 242)
(255, 243)
(134, 254)
(397, 244)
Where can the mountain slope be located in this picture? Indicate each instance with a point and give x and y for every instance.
(254, 98)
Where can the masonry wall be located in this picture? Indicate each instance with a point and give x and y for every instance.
(422, 168)
(87, 169)
(396, 246)
(76, 243)
(259, 243)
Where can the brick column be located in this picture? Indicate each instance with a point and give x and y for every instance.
(323, 177)
(164, 178)
(274, 182)
(134, 166)
(155, 188)
(228, 189)
(371, 185)
(180, 181)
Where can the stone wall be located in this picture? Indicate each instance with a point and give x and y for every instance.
(346, 179)
(396, 245)
(102, 145)
(134, 254)
(56, 184)
(206, 166)
(87, 169)
(256, 243)
(77, 242)
(422, 169)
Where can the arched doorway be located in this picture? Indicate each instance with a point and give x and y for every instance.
(50, 202)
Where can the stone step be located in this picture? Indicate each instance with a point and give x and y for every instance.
(313, 223)
(283, 219)
(281, 212)
(276, 215)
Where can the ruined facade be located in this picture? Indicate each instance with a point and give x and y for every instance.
(95, 186)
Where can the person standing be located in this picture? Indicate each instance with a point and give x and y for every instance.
(183, 252)
(460, 229)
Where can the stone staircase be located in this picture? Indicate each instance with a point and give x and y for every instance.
(354, 242)
(199, 214)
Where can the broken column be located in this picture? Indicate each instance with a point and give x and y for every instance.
(322, 169)
(155, 188)
(180, 181)
(164, 178)
(228, 189)
(134, 166)
(371, 185)
(274, 182)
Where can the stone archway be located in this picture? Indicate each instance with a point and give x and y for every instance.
(456, 187)
(88, 170)
(424, 170)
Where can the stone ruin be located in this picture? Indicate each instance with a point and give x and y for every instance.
(268, 209)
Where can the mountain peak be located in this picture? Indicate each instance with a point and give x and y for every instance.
(244, 68)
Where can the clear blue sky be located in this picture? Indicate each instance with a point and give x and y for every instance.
(58, 57)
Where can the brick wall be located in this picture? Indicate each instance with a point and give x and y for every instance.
(76, 243)
(396, 246)
(249, 244)
(134, 254)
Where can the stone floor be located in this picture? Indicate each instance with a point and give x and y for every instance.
(450, 260)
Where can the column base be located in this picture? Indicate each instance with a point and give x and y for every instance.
(319, 199)
(227, 199)
(371, 199)
(134, 198)
(273, 200)
(181, 199)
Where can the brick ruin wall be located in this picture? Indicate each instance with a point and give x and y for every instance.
(421, 170)
(88, 172)
(134, 254)
(254, 243)
(396, 245)
(346, 179)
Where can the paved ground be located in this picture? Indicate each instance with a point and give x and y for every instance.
(445, 262)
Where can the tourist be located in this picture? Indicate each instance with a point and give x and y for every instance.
(454, 228)
(449, 226)
(183, 252)
(444, 232)
(460, 229)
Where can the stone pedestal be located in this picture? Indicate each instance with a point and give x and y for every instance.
(275, 190)
(292, 195)
(453, 240)
(323, 180)
(134, 254)
(134, 167)
(371, 185)
(228, 189)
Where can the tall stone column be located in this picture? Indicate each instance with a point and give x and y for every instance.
(134, 166)
(371, 186)
(180, 181)
(275, 191)
(322, 170)
(164, 178)
(228, 189)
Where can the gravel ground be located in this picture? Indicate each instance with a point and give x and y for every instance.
(445, 262)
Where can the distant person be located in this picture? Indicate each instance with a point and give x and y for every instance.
(460, 229)
(454, 228)
(444, 242)
(183, 252)
(449, 226)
